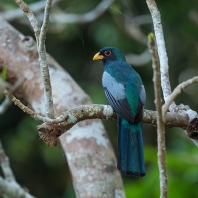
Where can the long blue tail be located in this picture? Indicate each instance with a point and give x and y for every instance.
(130, 148)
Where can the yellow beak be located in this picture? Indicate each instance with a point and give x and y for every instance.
(98, 56)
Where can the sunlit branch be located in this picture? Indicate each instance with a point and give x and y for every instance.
(51, 129)
(100, 111)
(165, 82)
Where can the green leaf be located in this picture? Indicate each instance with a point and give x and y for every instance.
(4, 73)
(151, 36)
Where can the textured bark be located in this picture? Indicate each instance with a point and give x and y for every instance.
(87, 148)
(49, 131)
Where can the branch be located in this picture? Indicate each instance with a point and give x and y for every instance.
(5, 165)
(8, 186)
(69, 118)
(44, 65)
(40, 35)
(65, 18)
(160, 124)
(29, 111)
(165, 82)
(177, 91)
(28, 12)
(7, 101)
(3, 86)
(16, 14)
(99, 111)
(50, 131)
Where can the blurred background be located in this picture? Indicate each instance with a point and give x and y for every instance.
(125, 25)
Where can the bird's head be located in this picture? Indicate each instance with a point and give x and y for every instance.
(107, 54)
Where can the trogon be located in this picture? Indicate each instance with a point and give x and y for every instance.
(126, 94)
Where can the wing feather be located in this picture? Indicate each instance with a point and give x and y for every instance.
(116, 95)
(120, 106)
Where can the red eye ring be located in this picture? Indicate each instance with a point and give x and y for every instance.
(107, 53)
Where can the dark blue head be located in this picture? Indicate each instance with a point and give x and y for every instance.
(108, 54)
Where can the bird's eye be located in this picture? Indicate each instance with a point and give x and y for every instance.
(107, 53)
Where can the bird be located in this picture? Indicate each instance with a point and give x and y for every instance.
(126, 94)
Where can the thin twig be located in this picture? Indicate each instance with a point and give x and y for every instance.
(165, 82)
(160, 124)
(29, 111)
(7, 101)
(45, 25)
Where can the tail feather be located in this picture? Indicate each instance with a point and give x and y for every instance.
(130, 148)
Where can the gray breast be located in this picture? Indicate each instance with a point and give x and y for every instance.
(116, 89)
